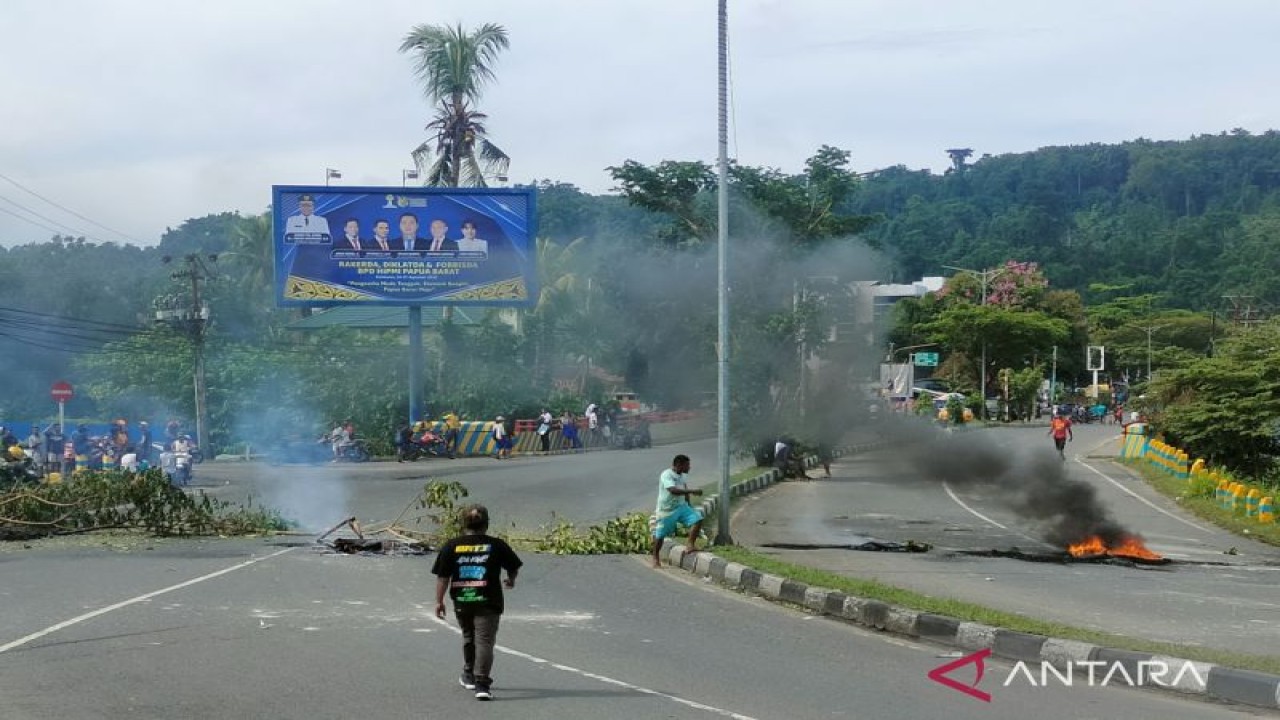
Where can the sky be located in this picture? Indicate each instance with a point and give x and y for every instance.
(129, 116)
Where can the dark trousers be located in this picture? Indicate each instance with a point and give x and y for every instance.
(545, 439)
(479, 635)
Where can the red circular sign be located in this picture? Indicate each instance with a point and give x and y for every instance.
(61, 391)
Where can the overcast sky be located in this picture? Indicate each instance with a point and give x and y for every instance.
(141, 114)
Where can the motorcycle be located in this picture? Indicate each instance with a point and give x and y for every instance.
(635, 436)
(354, 451)
(182, 467)
(429, 444)
(14, 473)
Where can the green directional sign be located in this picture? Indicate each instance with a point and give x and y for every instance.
(929, 359)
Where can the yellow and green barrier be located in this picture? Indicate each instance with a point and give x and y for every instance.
(1239, 498)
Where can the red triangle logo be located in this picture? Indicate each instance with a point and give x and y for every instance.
(939, 674)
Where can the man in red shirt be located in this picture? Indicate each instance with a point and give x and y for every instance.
(1060, 429)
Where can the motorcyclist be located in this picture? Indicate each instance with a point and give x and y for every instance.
(182, 457)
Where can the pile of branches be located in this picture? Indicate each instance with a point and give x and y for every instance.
(622, 535)
(114, 499)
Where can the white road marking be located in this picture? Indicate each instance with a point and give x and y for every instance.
(960, 502)
(1143, 500)
(608, 680)
(133, 601)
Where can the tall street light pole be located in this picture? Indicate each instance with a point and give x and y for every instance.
(984, 277)
(722, 265)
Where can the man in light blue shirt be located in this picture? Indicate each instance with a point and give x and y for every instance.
(673, 507)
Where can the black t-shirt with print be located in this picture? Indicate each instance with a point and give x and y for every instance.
(473, 564)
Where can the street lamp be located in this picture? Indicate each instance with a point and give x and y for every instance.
(984, 276)
(893, 352)
(1149, 329)
(406, 176)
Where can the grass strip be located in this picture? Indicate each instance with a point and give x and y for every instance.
(1205, 507)
(972, 612)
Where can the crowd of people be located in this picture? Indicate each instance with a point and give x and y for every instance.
(50, 450)
(597, 426)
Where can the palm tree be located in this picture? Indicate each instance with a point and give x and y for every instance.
(454, 66)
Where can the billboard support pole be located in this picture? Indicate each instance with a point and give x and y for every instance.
(415, 362)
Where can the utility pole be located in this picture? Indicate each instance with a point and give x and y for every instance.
(984, 276)
(1149, 330)
(193, 319)
(1053, 382)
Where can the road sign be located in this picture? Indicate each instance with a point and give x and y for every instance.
(62, 391)
(1096, 359)
(928, 359)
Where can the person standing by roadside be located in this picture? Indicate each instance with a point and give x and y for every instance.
(35, 445)
(452, 429)
(569, 429)
(674, 508)
(469, 567)
(54, 441)
(144, 444)
(544, 430)
(501, 441)
(1060, 429)
(593, 424)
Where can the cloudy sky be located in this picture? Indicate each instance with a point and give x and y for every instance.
(138, 114)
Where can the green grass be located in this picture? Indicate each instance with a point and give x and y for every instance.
(736, 478)
(1205, 507)
(962, 610)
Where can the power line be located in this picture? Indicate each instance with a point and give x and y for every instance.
(55, 231)
(46, 218)
(63, 208)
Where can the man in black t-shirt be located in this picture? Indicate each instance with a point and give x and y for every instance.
(470, 568)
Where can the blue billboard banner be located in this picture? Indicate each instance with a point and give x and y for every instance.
(404, 246)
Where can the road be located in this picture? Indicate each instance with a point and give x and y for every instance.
(254, 628)
(1208, 598)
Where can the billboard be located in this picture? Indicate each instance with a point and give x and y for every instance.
(404, 246)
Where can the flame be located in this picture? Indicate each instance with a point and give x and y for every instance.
(1127, 546)
(1090, 547)
(1132, 547)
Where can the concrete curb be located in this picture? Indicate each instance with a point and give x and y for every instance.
(1245, 687)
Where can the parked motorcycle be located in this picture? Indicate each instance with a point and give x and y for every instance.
(430, 444)
(14, 473)
(634, 436)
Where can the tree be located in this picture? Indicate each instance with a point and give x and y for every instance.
(1226, 408)
(454, 66)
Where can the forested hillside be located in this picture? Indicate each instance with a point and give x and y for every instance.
(1191, 220)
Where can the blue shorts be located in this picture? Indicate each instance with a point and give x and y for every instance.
(682, 515)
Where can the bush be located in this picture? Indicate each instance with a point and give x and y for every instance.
(116, 499)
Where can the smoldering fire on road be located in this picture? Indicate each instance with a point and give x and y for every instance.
(1067, 512)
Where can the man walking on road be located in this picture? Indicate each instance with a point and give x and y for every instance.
(674, 508)
(1060, 429)
(469, 567)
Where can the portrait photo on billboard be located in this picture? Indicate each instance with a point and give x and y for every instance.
(401, 246)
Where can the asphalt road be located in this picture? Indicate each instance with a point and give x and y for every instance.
(1208, 597)
(528, 491)
(262, 628)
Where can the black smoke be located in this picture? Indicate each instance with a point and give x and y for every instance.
(1033, 482)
